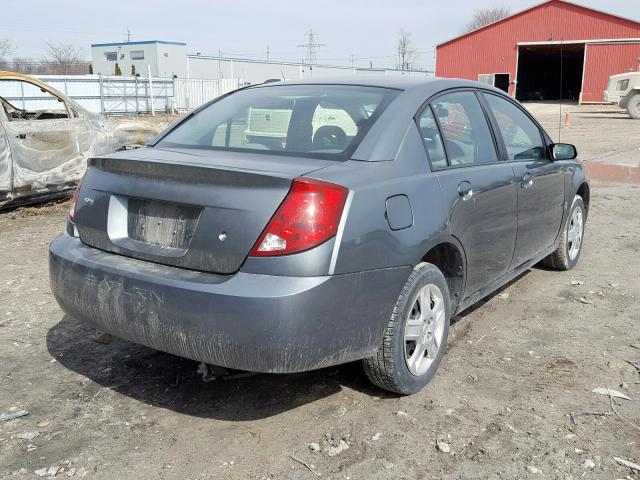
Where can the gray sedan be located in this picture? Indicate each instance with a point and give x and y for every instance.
(297, 225)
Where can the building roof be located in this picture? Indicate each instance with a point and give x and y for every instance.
(538, 5)
(145, 42)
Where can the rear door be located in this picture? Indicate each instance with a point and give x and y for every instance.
(478, 189)
(540, 181)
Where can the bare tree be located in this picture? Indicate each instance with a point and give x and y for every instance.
(65, 58)
(25, 65)
(6, 49)
(406, 52)
(485, 16)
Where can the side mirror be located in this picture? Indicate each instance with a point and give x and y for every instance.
(563, 151)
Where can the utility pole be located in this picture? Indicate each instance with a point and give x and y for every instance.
(353, 60)
(267, 53)
(128, 35)
(311, 46)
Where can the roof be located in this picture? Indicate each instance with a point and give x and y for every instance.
(380, 81)
(526, 10)
(5, 75)
(145, 42)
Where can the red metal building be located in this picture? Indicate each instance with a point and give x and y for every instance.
(553, 50)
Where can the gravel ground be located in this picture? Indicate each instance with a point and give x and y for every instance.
(603, 133)
(500, 407)
(518, 364)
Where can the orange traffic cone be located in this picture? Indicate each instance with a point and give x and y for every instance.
(567, 119)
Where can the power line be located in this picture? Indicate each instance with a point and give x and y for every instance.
(311, 47)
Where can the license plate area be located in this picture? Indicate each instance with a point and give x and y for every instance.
(162, 224)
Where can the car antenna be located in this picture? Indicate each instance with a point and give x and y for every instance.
(560, 118)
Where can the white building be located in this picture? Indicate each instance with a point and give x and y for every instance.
(169, 59)
(166, 59)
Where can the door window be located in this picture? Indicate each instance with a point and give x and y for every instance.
(467, 138)
(432, 139)
(26, 101)
(521, 135)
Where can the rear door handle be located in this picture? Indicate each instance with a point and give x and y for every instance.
(527, 180)
(465, 190)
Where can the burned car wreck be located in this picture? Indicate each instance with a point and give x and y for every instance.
(46, 138)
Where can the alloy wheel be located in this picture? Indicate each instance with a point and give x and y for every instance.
(575, 232)
(424, 329)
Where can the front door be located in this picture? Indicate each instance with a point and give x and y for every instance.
(478, 189)
(540, 181)
(5, 159)
(46, 138)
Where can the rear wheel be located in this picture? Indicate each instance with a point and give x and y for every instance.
(416, 336)
(568, 252)
(633, 107)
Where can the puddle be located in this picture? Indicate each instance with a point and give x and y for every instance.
(614, 173)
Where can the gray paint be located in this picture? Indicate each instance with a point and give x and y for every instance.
(297, 303)
(252, 322)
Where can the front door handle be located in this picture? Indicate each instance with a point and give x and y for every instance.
(527, 181)
(465, 190)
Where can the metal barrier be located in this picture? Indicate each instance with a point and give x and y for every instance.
(117, 95)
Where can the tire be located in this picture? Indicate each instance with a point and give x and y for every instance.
(566, 256)
(389, 368)
(633, 106)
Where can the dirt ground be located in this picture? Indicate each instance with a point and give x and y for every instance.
(518, 365)
(602, 133)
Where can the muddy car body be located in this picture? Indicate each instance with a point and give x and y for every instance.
(624, 90)
(46, 139)
(326, 248)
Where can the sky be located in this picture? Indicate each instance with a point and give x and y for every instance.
(366, 30)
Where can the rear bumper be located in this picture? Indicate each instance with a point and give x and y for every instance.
(245, 321)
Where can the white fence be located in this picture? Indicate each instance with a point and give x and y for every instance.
(116, 95)
(190, 93)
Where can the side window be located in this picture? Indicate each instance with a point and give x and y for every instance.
(25, 101)
(467, 138)
(432, 139)
(521, 136)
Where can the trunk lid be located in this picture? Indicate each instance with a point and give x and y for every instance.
(196, 209)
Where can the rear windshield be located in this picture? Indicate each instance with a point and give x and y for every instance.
(320, 121)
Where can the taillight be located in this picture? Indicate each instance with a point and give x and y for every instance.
(308, 216)
(74, 203)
